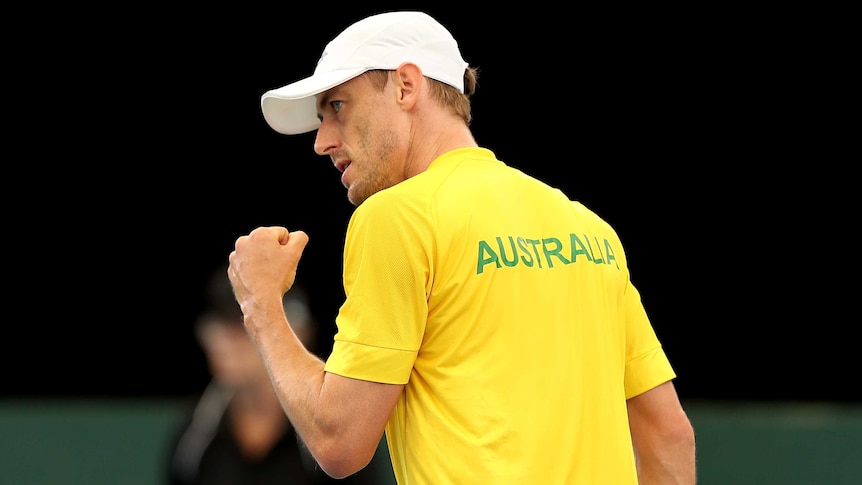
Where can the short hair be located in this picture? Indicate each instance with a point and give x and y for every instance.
(445, 94)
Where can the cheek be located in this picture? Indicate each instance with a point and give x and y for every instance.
(374, 134)
(369, 118)
(364, 137)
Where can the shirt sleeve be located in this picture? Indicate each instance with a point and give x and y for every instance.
(647, 366)
(387, 273)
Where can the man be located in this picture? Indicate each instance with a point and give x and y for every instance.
(489, 326)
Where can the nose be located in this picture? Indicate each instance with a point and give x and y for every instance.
(325, 140)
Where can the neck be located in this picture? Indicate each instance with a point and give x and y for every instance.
(452, 136)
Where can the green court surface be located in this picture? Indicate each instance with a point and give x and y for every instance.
(124, 442)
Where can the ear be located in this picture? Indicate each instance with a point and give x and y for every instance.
(409, 82)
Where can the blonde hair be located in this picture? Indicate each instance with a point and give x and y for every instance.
(446, 95)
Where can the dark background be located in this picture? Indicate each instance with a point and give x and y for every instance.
(144, 155)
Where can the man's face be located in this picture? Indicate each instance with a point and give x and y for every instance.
(361, 130)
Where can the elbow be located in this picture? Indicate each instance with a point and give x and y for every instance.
(677, 434)
(340, 458)
(683, 432)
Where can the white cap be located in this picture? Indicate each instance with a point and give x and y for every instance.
(382, 41)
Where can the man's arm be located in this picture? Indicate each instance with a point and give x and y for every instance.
(663, 437)
(340, 420)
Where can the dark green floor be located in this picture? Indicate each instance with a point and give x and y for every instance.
(123, 442)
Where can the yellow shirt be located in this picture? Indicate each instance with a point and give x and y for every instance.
(508, 312)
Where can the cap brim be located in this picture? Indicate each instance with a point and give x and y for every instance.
(292, 109)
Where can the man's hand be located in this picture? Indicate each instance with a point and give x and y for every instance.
(263, 264)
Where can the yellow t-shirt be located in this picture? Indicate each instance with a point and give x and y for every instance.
(508, 312)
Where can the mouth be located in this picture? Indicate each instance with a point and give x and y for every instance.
(341, 166)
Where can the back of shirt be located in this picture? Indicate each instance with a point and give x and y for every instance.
(507, 310)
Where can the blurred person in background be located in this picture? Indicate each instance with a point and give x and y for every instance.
(237, 432)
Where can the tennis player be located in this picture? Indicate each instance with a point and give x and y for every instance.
(490, 328)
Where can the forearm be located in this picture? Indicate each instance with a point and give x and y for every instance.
(297, 377)
(318, 410)
(674, 465)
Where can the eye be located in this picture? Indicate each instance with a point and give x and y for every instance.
(336, 105)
